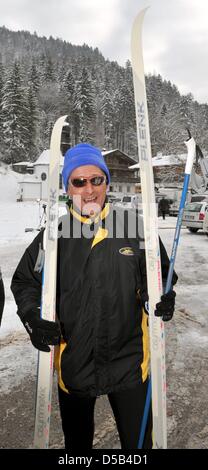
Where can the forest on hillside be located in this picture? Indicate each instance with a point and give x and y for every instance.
(42, 79)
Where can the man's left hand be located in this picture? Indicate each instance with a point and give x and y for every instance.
(165, 308)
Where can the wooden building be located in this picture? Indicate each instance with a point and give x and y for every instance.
(123, 179)
(35, 185)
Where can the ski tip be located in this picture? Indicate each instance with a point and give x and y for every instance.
(138, 20)
(57, 131)
(62, 119)
(136, 40)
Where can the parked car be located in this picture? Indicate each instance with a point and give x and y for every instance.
(199, 198)
(131, 201)
(114, 197)
(205, 223)
(194, 214)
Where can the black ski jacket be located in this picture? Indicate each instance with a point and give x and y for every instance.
(101, 278)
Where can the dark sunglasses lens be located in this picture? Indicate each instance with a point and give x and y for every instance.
(97, 180)
(79, 182)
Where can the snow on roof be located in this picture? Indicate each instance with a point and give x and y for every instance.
(106, 152)
(23, 164)
(44, 158)
(166, 160)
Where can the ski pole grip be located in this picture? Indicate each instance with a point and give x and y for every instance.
(191, 147)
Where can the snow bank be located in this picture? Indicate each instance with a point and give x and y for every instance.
(8, 183)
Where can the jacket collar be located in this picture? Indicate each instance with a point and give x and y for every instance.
(90, 220)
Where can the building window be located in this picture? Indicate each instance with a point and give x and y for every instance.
(120, 189)
(128, 189)
(110, 188)
(60, 182)
(43, 176)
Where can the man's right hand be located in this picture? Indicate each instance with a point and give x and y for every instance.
(42, 332)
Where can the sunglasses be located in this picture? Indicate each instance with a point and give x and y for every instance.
(81, 182)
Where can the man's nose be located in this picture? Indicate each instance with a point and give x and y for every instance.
(89, 187)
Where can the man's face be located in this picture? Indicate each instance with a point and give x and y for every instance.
(89, 199)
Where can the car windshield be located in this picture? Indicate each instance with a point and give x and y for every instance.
(126, 199)
(193, 207)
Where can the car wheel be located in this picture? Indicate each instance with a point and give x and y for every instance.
(193, 229)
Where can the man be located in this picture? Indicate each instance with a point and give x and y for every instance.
(2, 296)
(101, 290)
(164, 207)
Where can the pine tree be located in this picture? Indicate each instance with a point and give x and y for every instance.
(49, 75)
(34, 78)
(67, 90)
(1, 106)
(185, 110)
(15, 116)
(33, 124)
(84, 106)
(107, 109)
(107, 113)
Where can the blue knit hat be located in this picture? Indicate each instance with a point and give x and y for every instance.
(83, 154)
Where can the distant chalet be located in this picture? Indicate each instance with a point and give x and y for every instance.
(34, 182)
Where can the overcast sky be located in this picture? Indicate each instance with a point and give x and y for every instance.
(175, 32)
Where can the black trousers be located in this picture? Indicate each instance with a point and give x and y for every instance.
(77, 414)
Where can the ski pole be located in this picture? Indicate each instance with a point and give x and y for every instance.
(191, 147)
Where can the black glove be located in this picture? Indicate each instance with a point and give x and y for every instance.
(42, 332)
(165, 308)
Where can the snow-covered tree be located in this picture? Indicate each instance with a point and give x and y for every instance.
(1, 105)
(15, 116)
(49, 75)
(107, 113)
(97, 94)
(33, 124)
(84, 106)
(34, 78)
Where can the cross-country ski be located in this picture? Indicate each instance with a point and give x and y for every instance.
(152, 250)
(48, 305)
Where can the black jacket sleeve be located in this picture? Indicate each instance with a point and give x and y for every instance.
(26, 282)
(2, 297)
(164, 267)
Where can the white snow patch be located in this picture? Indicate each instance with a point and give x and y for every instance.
(8, 183)
(196, 337)
(18, 360)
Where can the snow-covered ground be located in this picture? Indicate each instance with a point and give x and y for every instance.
(15, 217)
(18, 357)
